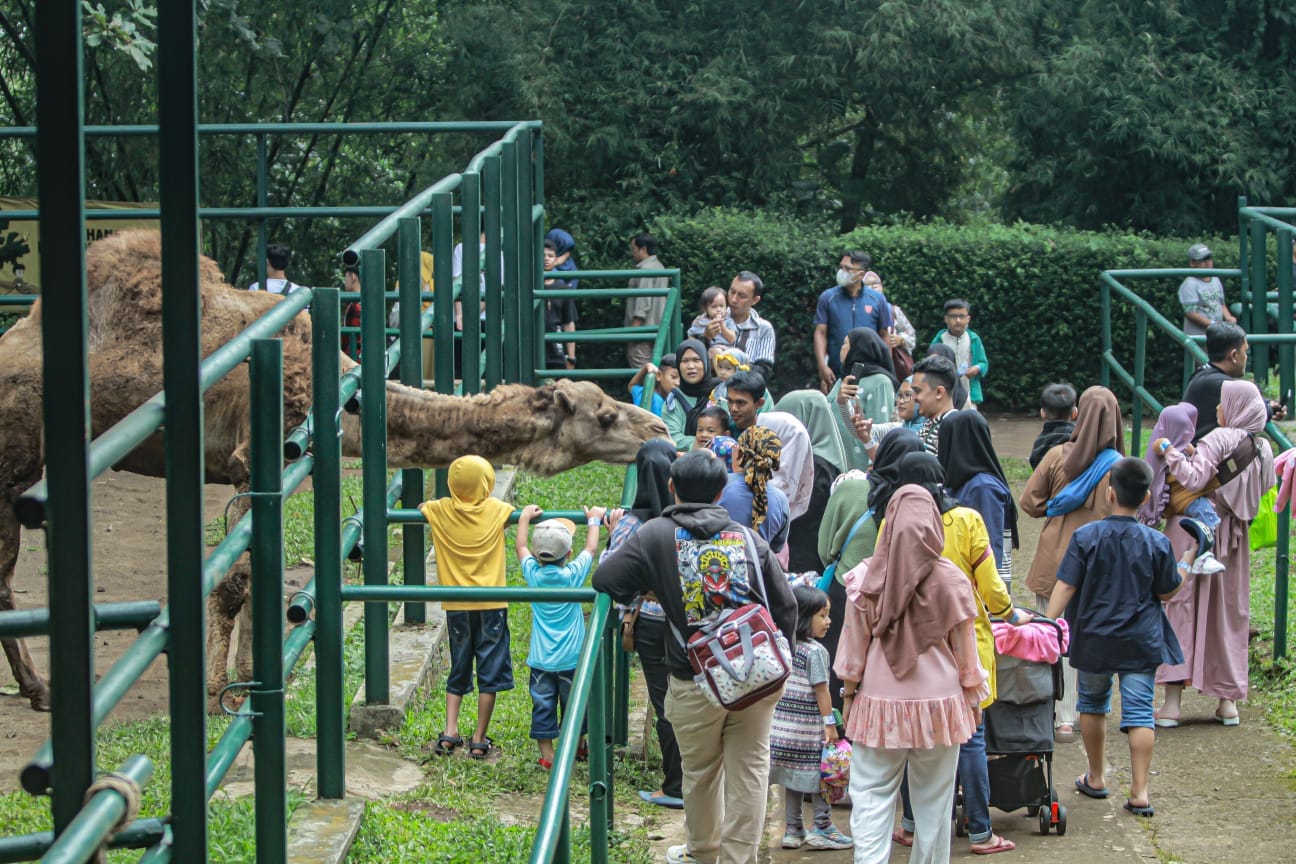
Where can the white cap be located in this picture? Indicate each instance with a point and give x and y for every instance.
(551, 540)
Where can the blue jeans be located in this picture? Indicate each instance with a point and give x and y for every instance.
(1136, 689)
(549, 692)
(974, 778)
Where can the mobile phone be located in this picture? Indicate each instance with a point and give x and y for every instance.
(1286, 398)
(859, 370)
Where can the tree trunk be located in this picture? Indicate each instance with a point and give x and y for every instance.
(857, 182)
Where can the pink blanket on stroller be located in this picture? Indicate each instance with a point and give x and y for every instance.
(1038, 643)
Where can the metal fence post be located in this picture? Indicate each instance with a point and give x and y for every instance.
(510, 218)
(528, 263)
(410, 272)
(1140, 359)
(269, 729)
(490, 195)
(373, 408)
(1105, 296)
(470, 291)
(1259, 300)
(443, 326)
(330, 713)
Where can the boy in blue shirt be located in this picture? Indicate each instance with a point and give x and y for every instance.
(1112, 580)
(667, 380)
(557, 629)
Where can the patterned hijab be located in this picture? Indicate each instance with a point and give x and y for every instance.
(1098, 427)
(758, 453)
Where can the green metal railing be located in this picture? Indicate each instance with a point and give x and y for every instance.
(1254, 279)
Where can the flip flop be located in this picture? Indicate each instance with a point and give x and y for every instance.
(1145, 810)
(1000, 844)
(1082, 785)
(899, 837)
(662, 800)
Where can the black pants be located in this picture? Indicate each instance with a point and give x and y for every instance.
(650, 643)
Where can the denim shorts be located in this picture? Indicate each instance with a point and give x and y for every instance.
(481, 635)
(549, 691)
(1093, 696)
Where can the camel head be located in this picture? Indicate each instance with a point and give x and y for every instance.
(587, 425)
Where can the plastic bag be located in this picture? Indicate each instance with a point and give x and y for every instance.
(1264, 527)
(834, 771)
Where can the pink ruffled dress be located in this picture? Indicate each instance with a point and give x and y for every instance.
(931, 706)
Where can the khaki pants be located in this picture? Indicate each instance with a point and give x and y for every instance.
(725, 755)
(639, 354)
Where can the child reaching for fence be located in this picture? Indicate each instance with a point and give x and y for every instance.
(557, 629)
(468, 534)
(803, 724)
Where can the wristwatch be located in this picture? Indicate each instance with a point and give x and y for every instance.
(845, 694)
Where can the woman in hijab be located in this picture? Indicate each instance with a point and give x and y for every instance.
(1098, 430)
(960, 393)
(871, 394)
(650, 633)
(884, 479)
(913, 682)
(829, 459)
(967, 544)
(841, 540)
(1211, 614)
(751, 497)
(795, 475)
(974, 476)
(693, 394)
(1176, 424)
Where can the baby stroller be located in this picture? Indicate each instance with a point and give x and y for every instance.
(1019, 736)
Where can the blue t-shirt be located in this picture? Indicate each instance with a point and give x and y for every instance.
(557, 629)
(636, 396)
(1119, 568)
(843, 313)
(737, 500)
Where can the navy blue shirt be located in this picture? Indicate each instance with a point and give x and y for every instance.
(843, 313)
(1119, 568)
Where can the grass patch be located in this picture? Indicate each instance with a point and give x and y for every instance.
(1273, 681)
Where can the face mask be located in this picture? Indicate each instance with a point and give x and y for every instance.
(844, 278)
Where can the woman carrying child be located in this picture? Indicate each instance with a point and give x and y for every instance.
(803, 724)
(1211, 614)
(682, 407)
(1069, 488)
(913, 682)
(867, 387)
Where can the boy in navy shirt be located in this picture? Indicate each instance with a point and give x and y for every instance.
(1111, 583)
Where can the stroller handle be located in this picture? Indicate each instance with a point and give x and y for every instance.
(1041, 618)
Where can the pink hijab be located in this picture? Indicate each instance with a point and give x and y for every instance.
(1176, 423)
(1244, 412)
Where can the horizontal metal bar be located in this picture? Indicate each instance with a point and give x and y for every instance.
(586, 374)
(135, 427)
(137, 213)
(95, 822)
(612, 274)
(136, 130)
(419, 593)
(1168, 327)
(637, 334)
(1178, 272)
(130, 615)
(18, 299)
(384, 230)
(1267, 219)
(598, 293)
(1141, 392)
(415, 517)
(140, 834)
(1272, 211)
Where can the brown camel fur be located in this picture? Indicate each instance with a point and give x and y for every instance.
(542, 429)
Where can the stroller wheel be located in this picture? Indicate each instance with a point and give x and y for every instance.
(1061, 823)
(1045, 819)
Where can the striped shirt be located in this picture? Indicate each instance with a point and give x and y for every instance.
(755, 336)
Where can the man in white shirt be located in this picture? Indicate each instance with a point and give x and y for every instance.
(277, 282)
(1202, 299)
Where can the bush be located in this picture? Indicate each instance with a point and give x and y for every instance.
(1033, 290)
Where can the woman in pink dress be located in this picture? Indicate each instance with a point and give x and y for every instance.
(1211, 614)
(913, 682)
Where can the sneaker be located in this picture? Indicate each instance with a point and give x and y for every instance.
(1206, 564)
(794, 839)
(828, 838)
(1200, 532)
(680, 855)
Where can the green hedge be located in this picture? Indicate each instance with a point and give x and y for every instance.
(1033, 289)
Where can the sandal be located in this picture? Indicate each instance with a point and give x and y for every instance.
(481, 749)
(995, 844)
(1082, 786)
(446, 744)
(544, 763)
(1144, 810)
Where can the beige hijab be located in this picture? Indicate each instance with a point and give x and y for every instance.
(1098, 427)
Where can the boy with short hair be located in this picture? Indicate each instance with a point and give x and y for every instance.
(1111, 584)
(969, 353)
(666, 376)
(557, 629)
(468, 534)
(1058, 411)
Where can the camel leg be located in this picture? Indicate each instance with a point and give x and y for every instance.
(223, 607)
(243, 654)
(30, 685)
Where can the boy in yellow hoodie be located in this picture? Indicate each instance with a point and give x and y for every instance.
(468, 534)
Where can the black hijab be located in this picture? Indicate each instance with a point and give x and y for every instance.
(652, 479)
(961, 392)
(966, 450)
(866, 347)
(924, 469)
(884, 478)
(700, 391)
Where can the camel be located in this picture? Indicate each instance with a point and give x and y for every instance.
(544, 429)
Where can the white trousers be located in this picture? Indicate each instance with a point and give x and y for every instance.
(1066, 709)
(874, 788)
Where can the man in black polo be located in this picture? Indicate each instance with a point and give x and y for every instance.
(1226, 349)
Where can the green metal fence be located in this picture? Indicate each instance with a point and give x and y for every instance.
(1255, 222)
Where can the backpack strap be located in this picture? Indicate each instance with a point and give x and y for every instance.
(825, 581)
(1239, 460)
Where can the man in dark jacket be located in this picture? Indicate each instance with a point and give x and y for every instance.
(690, 558)
(1226, 348)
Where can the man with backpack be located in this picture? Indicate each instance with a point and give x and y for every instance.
(702, 566)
